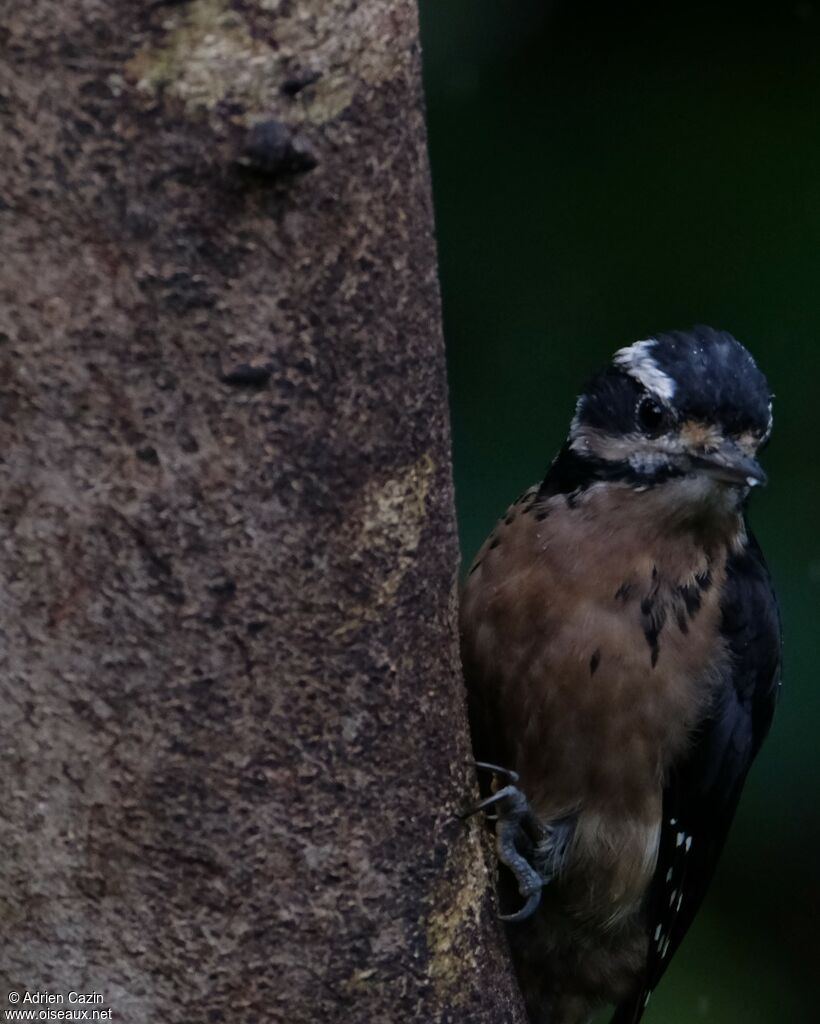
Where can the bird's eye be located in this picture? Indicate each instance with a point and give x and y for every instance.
(651, 415)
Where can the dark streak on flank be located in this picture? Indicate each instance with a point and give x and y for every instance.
(494, 543)
(683, 625)
(704, 580)
(476, 566)
(542, 515)
(594, 662)
(691, 598)
(623, 592)
(655, 617)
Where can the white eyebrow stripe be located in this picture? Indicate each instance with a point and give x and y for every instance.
(768, 431)
(637, 360)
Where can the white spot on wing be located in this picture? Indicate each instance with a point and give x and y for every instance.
(679, 838)
(688, 843)
(638, 362)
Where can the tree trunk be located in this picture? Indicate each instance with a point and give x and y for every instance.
(234, 740)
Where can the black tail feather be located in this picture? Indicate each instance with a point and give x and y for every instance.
(630, 1010)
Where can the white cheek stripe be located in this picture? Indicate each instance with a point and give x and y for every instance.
(638, 362)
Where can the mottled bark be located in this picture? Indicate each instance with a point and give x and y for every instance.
(233, 734)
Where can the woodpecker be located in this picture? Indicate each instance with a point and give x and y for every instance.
(621, 645)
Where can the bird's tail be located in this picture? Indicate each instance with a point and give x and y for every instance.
(630, 1010)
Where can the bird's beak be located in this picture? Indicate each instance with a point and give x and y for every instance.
(731, 465)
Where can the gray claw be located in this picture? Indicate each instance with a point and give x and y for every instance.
(496, 770)
(526, 911)
(502, 794)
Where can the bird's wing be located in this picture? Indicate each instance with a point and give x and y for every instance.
(702, 792)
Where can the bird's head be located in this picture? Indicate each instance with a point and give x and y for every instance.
(689, 407)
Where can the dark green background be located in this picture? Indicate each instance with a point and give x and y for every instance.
(600, 175)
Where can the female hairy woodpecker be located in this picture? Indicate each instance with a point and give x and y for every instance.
(621, 644)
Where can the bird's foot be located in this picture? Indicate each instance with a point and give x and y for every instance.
(519, 835)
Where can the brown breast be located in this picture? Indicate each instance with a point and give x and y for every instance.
(590, 642)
